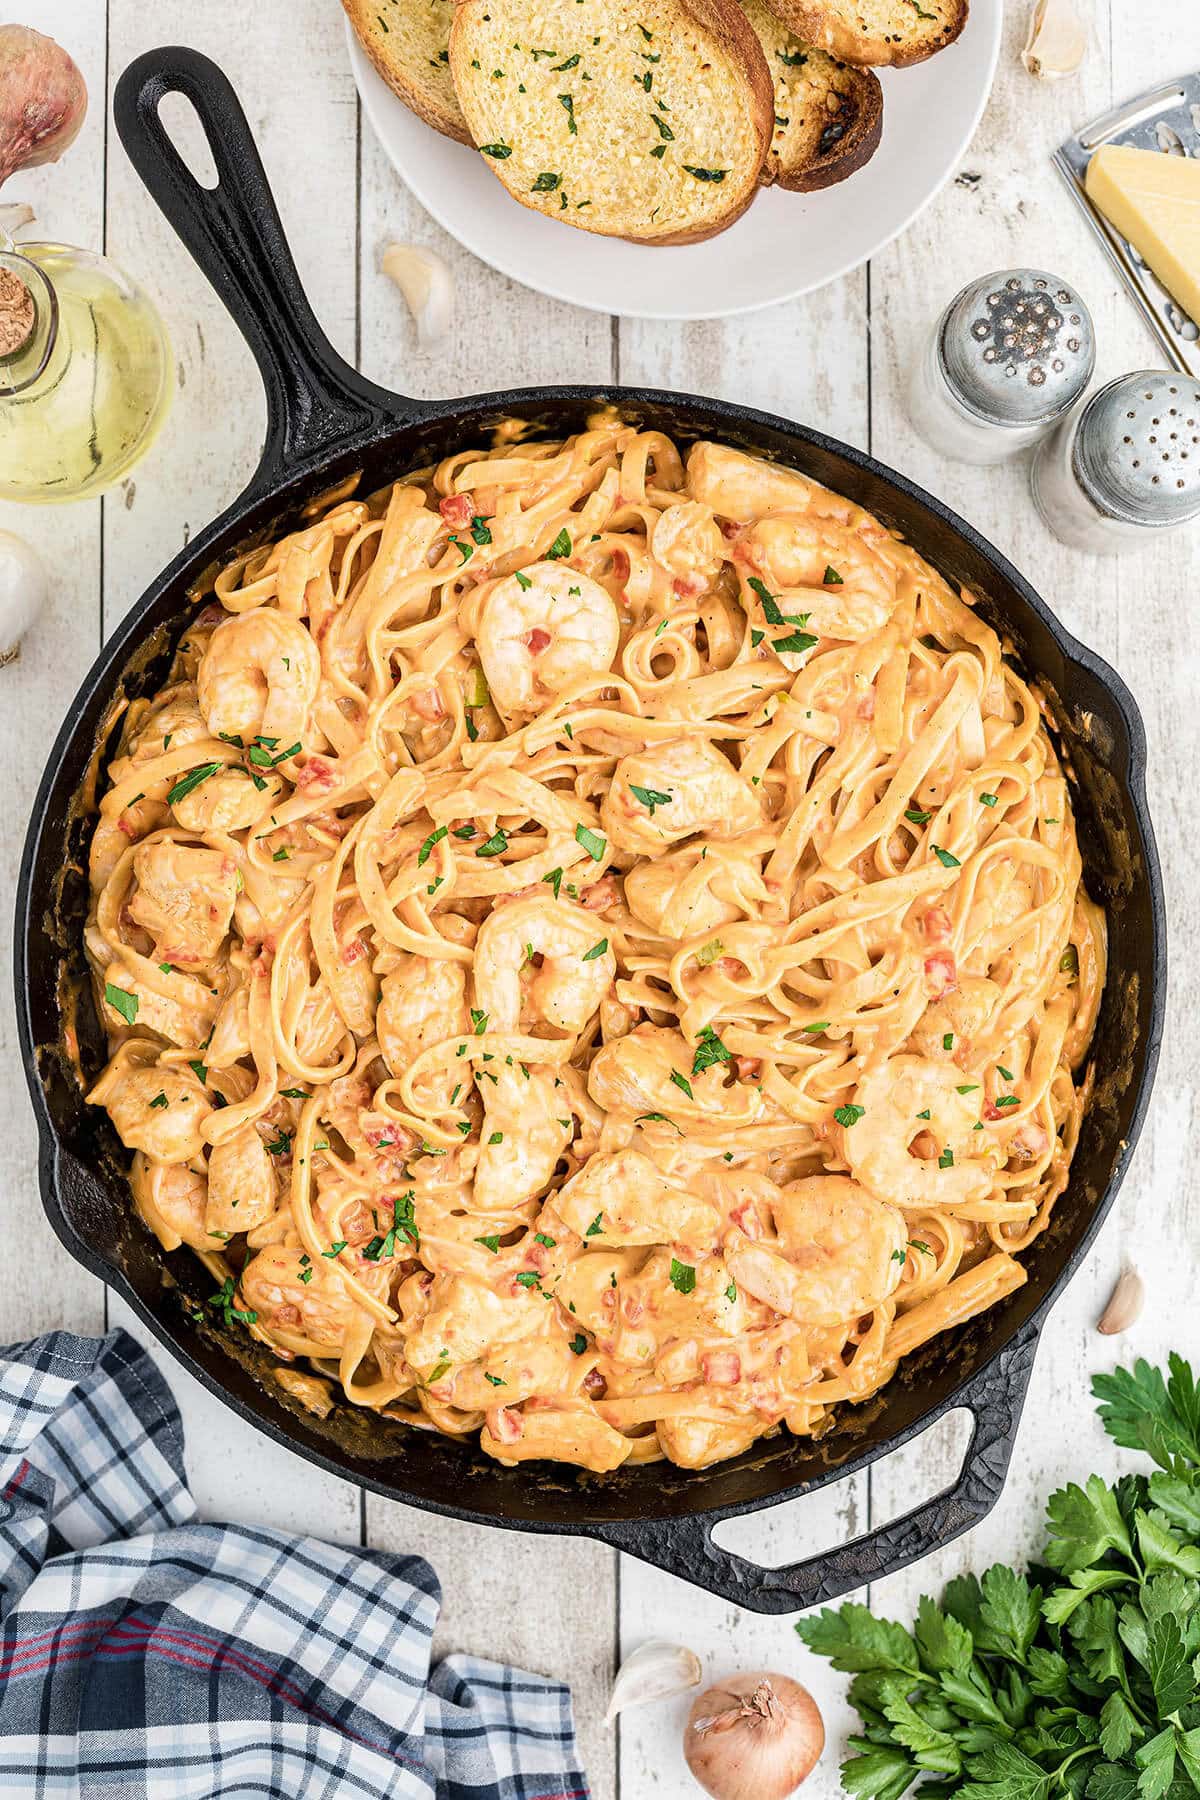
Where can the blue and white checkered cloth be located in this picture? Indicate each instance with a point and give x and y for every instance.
(145, 1656)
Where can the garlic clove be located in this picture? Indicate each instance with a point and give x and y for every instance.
(1057, 41)
(427, 285)
(13, 215)
(653, 1671)
(23, 591)
(1125, 1303)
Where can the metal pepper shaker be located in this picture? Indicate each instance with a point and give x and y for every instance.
(1008, 358)
(1126, 467)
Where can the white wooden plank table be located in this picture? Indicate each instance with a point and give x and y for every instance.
(836, 359)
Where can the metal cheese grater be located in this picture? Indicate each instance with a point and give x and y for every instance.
(1010, 355)
(1127, 466)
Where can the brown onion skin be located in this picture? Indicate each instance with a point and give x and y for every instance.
(43, 99)
(748, 1754)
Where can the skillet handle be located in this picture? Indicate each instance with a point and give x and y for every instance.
(315, 401)
(685, 1547)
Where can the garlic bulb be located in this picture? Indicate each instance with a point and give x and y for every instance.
(1125, 1303)
(23, 589)
(1057, 41)
(427, 285)
(654, 1671)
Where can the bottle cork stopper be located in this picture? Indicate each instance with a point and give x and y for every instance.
(16, 313)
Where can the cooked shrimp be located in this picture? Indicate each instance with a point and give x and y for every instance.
(623, 1198)
(915, 1141)
(171, 1199)
(525, 1130)
(168, 727)
(227, 801)
(259, 677)
(737, 486)
(157, 1110)
(947, 1028)
(684, 893)
(542, 631)
(540, 960)
(634, 1073)
(301, 1299)
(422, 1001)
(687, 542)
(824, 575)
(839, 1251)
(184, 897)
(686, 785)
(241, 1184)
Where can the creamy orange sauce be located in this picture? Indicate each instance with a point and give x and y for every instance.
(594, 951)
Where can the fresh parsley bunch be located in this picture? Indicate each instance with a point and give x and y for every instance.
(1078, 1681)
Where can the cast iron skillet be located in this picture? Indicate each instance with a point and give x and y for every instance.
(324, 422)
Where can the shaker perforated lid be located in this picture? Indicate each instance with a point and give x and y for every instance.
(1017, 347)
(1137, 448)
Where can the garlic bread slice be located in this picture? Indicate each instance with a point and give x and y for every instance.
(896, 32)
(409, 43)
(828, 114)
(642, 119)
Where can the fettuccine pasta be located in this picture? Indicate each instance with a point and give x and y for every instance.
(594, 951)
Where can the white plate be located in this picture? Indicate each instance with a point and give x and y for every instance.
(786, 244)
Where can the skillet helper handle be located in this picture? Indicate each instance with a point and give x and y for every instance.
(315, 400)
(685, 1546)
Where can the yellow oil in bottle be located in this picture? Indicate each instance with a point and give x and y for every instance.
(83, 397)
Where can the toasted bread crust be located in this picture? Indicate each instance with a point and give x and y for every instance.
(724, 23)
(404, 79)
(838, 27)
(828, 114)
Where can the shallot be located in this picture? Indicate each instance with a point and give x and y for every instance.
(753, 1737)
(43, 99)
(23, 589)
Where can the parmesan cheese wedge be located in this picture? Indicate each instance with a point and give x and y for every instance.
(1153, 200)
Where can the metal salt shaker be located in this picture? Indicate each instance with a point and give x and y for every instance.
(1009, 356)
(1126, 467)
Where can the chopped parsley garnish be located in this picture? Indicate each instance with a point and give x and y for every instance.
(335, 1249)
(968, 1087)
(160, 1100)
(596, 1226)
(795, 643)
(821, 1025)
(831, 577)
(189, 782)
(705, 174)
(659, 1119)
(479, 1021)
(682, 1082)
(708, 953)
(917, 1244)
(122, 1001)
(1007, 1073)
(528, 1278)
(560, 547)
(664, 130)
(490, 1243)
(946, 1159)
(683, 1276)
(439, 1369)
(539, 1237)
(495, 1380)
(595, 951)
(988, 799)
(579, 1343)
(280, 1144)
(224, 1298)
(1068, 962)
(523, 580)
(916, 817)
(200, 1071)
(497, 151)
(731, 1291)
(568, 101)
(496, 845)
(546, 183)
(709, 1050)
(426, 850)
(593, 843)
(650, 797)
(944, 857)
(848, 1115)
(497, 1137)
(1008, 1100)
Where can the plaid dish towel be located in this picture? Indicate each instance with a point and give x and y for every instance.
(145, 1656)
